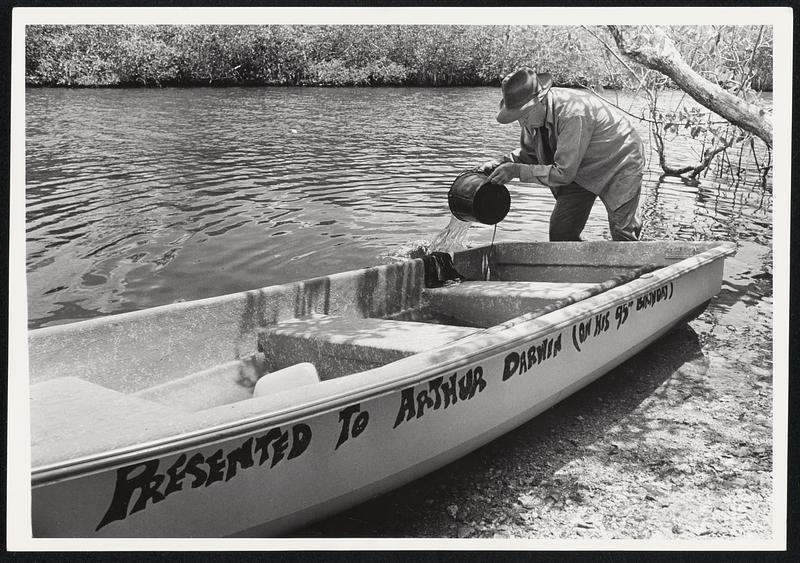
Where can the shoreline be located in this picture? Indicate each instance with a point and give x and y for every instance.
(185, 86)
(222, 85)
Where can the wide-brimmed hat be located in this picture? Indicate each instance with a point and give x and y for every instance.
(522, 89)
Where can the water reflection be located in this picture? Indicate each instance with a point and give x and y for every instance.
(674, 208)
(137, 198)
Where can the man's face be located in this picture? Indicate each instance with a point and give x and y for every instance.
(535, 116)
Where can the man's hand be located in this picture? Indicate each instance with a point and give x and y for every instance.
(488, 167)
(504, 173)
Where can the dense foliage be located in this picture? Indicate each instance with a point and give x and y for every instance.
(361, 55)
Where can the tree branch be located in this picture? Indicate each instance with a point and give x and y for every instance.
(656, 51)
(750, 62)
(622, 62)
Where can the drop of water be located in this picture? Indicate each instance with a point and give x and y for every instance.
(486, 267)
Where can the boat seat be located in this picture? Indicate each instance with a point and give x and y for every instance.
(68, 413)
(487, 303)
(343, 345)
(287, 378)
(219, 385)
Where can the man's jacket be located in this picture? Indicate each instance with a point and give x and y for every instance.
(592, 145)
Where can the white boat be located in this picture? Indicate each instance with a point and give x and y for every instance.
(254, 413)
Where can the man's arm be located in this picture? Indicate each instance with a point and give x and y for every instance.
(524, 154)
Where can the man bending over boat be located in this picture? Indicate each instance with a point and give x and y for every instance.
(578, 146)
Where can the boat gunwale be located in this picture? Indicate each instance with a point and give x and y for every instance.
(516, 330)
(87, 324)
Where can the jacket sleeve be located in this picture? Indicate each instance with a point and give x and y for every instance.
(525, 154)
(572, 141)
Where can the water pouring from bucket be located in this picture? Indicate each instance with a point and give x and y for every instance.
(472, 199)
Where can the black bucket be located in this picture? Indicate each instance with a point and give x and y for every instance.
(473, 199)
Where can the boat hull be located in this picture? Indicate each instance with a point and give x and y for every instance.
(288, 470)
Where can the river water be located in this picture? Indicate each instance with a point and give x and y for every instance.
(144, 197)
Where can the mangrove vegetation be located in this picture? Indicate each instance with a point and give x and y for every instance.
(364, 55)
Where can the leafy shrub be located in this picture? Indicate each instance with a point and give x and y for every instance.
(361, 55)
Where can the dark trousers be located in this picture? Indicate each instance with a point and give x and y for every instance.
(573, 205)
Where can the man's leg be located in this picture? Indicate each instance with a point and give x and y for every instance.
(569, 216)
(624, 221)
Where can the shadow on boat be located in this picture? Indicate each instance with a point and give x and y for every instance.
(485, 484)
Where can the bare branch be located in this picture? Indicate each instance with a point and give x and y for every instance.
(746, 78)
(622, 62)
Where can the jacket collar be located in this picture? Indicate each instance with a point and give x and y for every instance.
(550, 117)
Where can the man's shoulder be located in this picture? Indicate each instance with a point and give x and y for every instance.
(566, 96)
(574, 101)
